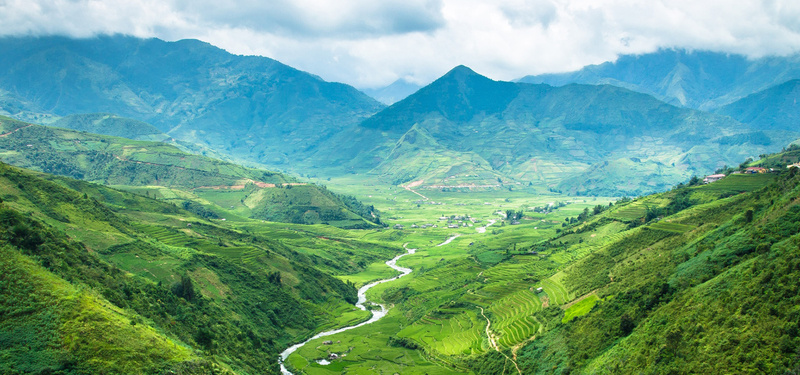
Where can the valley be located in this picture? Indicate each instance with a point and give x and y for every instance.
(173, 208)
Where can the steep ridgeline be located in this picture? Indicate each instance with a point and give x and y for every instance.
(465, 129)
(773, 108)
(251, 107)
(698, 79)
(210, 187)
(100, 281)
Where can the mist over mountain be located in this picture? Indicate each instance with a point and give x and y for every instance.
(694, 79)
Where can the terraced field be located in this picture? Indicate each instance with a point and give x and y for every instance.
(671, 227)
(555, 291)
(450, 332)
(512, 317)
(739, 183)
(632, 211)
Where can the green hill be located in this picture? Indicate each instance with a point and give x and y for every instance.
(477, 130)
(213, 188)
(97, 280)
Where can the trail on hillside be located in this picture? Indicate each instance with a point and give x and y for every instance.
(492, 342)
(14, 131)
(412, 184)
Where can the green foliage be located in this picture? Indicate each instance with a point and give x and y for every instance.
(241, 311)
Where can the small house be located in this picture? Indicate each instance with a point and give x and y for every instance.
(755, 170)
(795, 165)
(713, 178)
(398, 226)
(333, 356)
(539, 290)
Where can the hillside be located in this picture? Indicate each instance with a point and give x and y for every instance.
(251, 107)
(96, 280)
(213, 188)
(773, 108)
(628, 143)
(113, 125)
(694, 79)
(696, 279)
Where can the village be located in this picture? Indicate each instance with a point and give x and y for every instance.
(749, 170)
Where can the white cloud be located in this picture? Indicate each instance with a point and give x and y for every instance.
(370, 43)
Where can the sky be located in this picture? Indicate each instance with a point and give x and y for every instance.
(371, 43)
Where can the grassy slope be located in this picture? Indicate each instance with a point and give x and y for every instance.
(621, 289)
(254, 289)
(163, 171)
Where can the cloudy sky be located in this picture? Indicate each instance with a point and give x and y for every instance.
(370, 43)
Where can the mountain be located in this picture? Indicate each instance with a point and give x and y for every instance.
(251, 107)
(210, 187)
(111, 124)
(97, 280)
(627, 143)
(395, 92)
(695, 79)
(773, 108)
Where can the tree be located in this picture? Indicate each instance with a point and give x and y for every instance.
(748, 216)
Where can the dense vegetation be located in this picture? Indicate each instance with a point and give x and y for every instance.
(707, 288)
(112, 282)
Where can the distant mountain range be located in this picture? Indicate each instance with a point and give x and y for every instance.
(601, 130)
(395, 92)
(254, 108)
(697, 79)
(467, 130)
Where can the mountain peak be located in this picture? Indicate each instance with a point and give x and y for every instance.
(460, 73)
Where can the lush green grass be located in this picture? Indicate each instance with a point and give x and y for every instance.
(580, 308)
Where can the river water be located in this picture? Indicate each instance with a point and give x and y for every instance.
(362, 298)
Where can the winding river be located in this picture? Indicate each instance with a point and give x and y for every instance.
(362, 298)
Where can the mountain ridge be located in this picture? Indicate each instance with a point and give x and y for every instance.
(553, 136)
(695, 79)
(247, 106)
